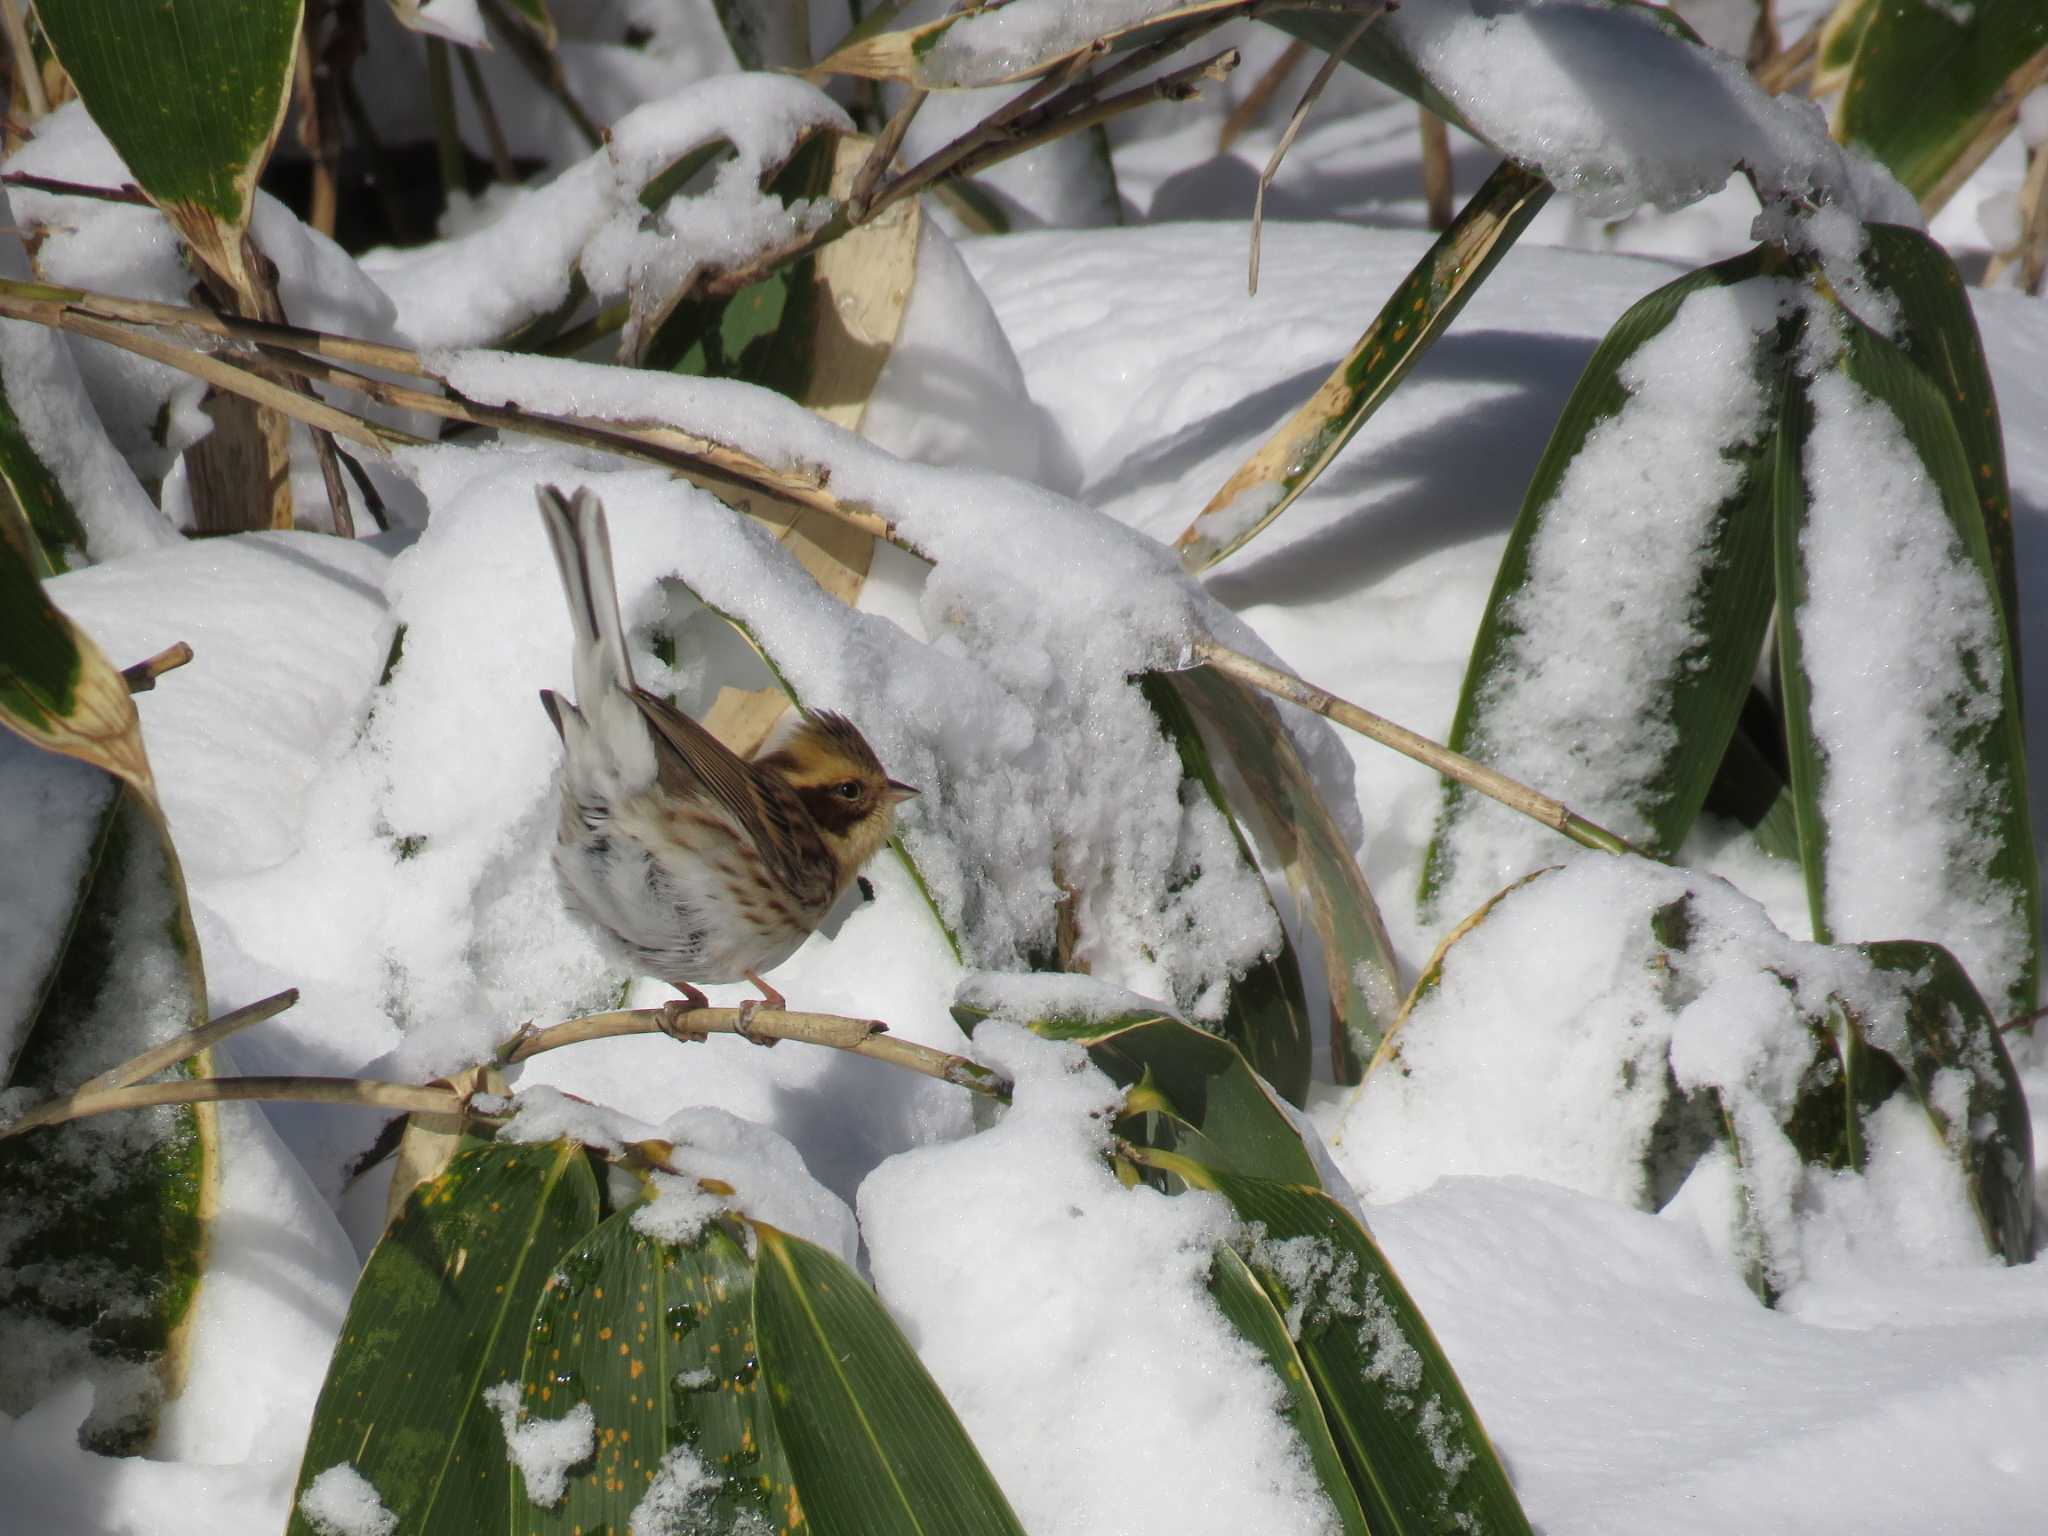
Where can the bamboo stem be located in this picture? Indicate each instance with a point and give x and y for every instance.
(1554, 814)
(142, 677)
(860, 1037)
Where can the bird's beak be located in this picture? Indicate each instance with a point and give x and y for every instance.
(898, 793)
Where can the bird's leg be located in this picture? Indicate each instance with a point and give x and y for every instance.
(770, 998)
(675, 1015)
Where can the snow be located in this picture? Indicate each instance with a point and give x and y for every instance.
(544, 1450)
(380, 842)
(1900, 638)
(341, 1502)
(1110, 1335)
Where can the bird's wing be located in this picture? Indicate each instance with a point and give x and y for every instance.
(691, 762)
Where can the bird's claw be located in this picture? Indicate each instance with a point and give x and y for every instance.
(675, 1017)
(745, 1028)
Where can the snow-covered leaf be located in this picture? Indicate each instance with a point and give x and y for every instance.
(1927, 77)
(1913, 821)
(1202, 1097)
(441, 1315)
(1267, 1015)
(1956, 1065)
(1291, 822)
(1251, 1311)
(873, 1446)
(658, 1339)
(998, 43)
(1408, 324)
(1419, 1458)
(1632, 599)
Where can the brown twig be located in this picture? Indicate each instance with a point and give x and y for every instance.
(1256, 100)
(126, 193)
(877, 163)
(1554, 814)
(860, 1037)
(190, 1043)
(1308, 99)
(1436, 170)
(1791, 66)
(224, 1090)
(142, 677)
(545, 65)
(2005, 111)
(501, 149)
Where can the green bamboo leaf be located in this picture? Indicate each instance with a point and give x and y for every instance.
(1984, 739)
(1938, 331)
(1840, 36)
(105, 1231)
(1199, 1082)
(1420, 310)
(767, 34)
(57, 541)
(875, 1449)
(1709, 661)
(1956, 1065)
(440, 1315)
(1927, 77)
(191, 94)
(1267, 1015)
(1750, 787)
(1418, 1457)
(658, 1339)
(1295, 828)
(1252, 1313)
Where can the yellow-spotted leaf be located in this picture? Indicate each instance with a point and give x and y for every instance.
(439, 1317)
(1419, 311)
(656, 1340)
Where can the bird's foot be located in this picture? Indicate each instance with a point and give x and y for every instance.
(769, 998)
(675, 1016)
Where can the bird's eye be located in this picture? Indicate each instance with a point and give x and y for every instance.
(850, 790)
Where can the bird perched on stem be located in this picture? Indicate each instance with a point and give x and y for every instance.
(697, 865)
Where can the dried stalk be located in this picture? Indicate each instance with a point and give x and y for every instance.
(2004, 113)
(859, 1037)
(142, 677)
(224, 1090)
(1256, 100)
(1308, 99)
(24, 57)
(1436, 170)
(1554, 814)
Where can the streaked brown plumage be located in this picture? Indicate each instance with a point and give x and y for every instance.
(697, 865)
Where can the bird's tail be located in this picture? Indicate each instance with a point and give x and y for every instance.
(583, 554)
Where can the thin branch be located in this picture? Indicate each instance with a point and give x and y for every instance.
(545, 65)
(142, 677)
(25, 67)
(861, 1037)
(1308, 99)
(1794, 65)
(501, 150)
(227, 1090)
(1452, 765)
(447, 136)
(127, 193)
(1436, 170)
(189, 1044)
(1256, 100)
(877, 163)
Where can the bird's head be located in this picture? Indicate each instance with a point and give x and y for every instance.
(840, 781)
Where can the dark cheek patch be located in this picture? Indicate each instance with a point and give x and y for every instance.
(831, 811)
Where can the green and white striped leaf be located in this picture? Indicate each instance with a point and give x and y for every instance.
(1707, 662)
(1927, 77)
(1420, 310)
(58, 539)
(1252, 1313)
(659, 1341)
(874, 1448)
(1840, 36)
(1956, 1065)
(1296, 830)
(191, 93)
(1267, 1014)
(1418, 1457)
(1990, 840)
(441, 1314)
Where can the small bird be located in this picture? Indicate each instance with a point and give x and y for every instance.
(697, 864)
